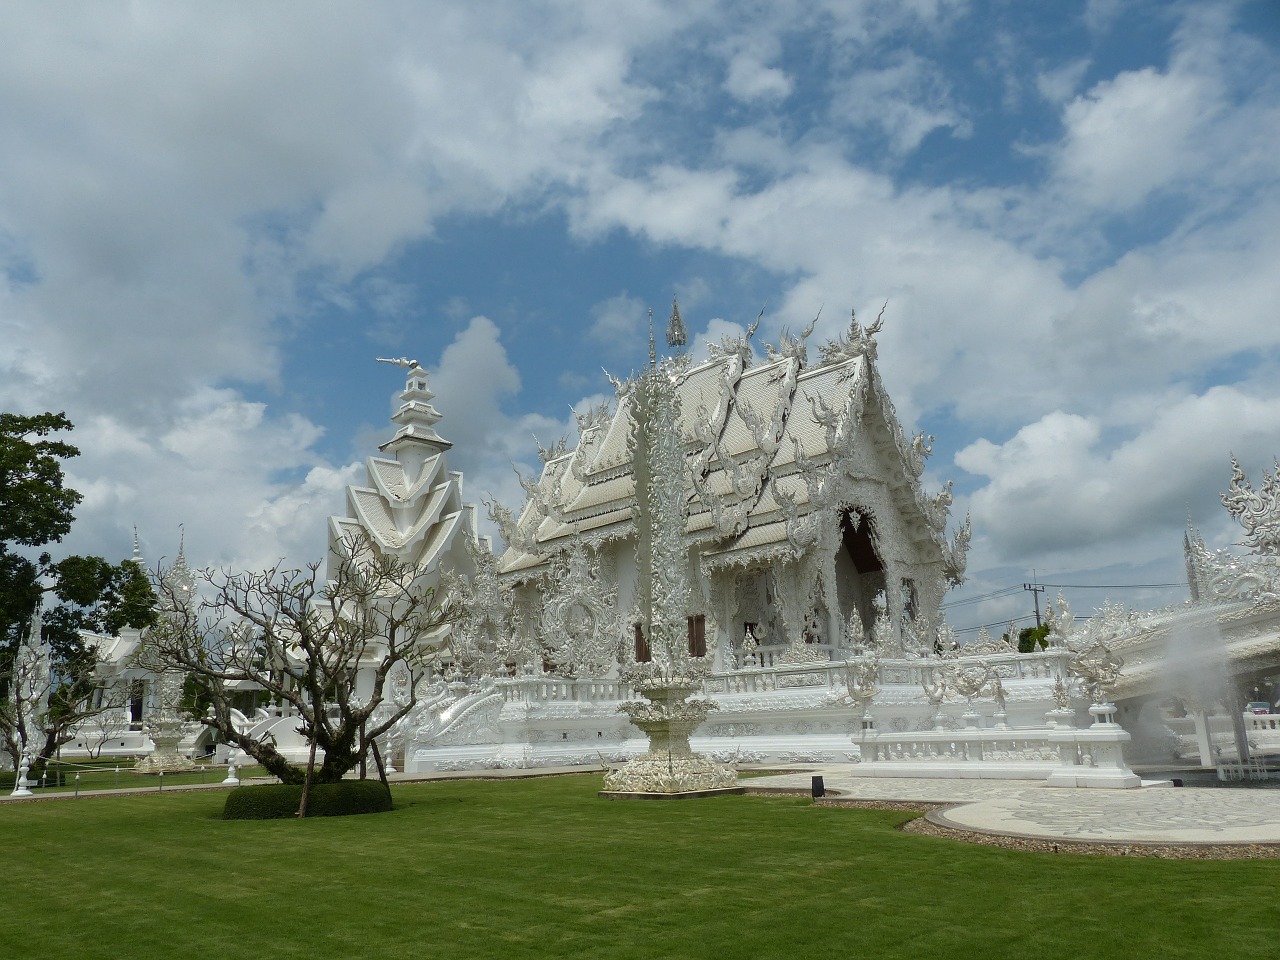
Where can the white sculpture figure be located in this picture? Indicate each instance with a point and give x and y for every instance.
(933, 682)
(232, 780)
(1257, 511)
(882, 633)
(22, 786)
(997, 694)
(969, 682)
(1061, 621)
(861, 684)
(1219, 576)
(580, 621)
(853, 637)
(749, 647)
(1097, 669)
(164, 724)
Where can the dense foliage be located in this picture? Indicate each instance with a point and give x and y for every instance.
(70, 595)
(1032, 639)
(278, 801)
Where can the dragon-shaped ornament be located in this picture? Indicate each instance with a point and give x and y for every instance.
(1220, 576)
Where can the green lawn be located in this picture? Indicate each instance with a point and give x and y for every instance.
(542, 868)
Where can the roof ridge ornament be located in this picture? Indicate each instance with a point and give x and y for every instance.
(856, 342)
(1257, 511)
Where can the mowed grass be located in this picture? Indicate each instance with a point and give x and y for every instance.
(543, 868)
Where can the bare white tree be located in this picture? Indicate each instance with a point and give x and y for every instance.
(325, 647)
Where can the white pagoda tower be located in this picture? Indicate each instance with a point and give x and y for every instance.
(411, 503)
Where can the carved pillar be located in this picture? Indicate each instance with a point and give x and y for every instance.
(825, 551)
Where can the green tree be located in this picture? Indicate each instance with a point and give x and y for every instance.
(73, 595)
(1032, 639)
(37, 508)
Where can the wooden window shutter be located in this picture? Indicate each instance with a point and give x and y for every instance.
(698, 636)
(643, 653)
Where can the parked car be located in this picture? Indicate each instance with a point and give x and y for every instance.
(1257, 706)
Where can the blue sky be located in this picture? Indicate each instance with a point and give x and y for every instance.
(213, 219)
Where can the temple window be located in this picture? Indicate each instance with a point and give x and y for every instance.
(698, 636)
(643, 653)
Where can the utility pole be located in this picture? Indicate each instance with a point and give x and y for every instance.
(1036, 589)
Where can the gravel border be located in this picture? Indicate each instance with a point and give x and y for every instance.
(924, 825)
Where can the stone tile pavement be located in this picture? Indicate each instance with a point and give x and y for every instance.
(1025, 808)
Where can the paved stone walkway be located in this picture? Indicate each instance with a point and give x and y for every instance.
(1024, 808)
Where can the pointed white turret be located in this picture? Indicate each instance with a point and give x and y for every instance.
(416, 418)
(411, 504)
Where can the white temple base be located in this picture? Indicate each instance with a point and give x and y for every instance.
(165, 758)
(1094, 756)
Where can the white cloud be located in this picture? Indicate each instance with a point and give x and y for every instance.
(248, 489)
(1060, 484)
(1059, 84)
(363, 222)
(906, 101)
(1128, 136)
(475, 384)
(748, 79)
(618, 321)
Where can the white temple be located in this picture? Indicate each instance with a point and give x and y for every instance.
(816, 566)
(799, 573)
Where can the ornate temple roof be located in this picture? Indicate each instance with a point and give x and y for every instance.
(757, 441)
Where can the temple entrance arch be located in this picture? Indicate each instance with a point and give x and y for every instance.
(860, 570)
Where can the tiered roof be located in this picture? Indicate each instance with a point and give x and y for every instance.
(756, 439)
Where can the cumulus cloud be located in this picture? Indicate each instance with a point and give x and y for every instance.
(1126, 136)
(475, 385)
(247, 489)
(1061, 483)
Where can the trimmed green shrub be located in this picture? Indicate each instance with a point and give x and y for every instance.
(275, 801)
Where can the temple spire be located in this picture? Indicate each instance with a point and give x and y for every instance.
(653, 349)
(677, 335)
(416, 418)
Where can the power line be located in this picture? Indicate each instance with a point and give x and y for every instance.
(1111, 586)
(1003, 592)
(1008, 621)
(1009, 591)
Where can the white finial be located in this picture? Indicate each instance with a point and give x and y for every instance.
(653, 351)
(404, 362)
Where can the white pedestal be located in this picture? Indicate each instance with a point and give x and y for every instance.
(1093, 757)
